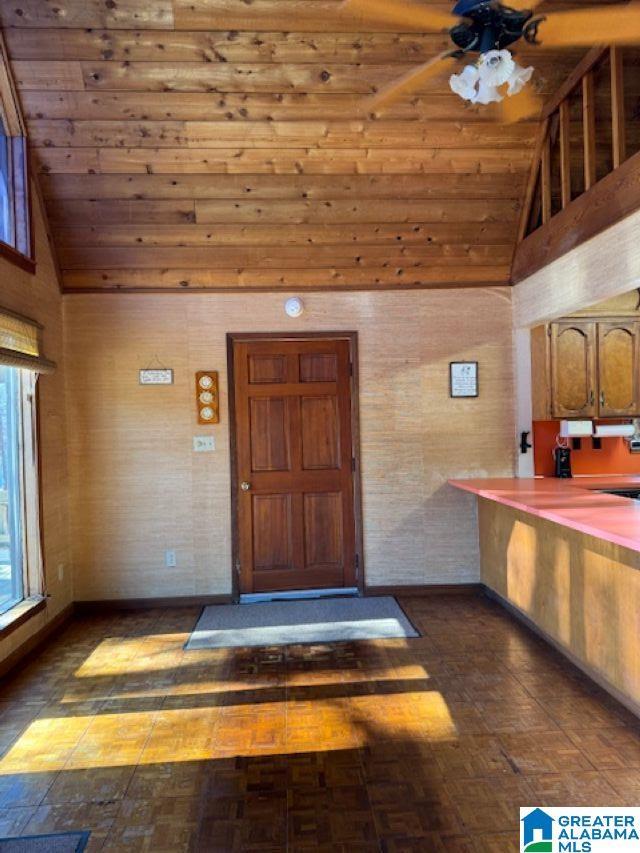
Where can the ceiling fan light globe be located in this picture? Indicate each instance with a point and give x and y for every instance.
(487, 94)
(496, 67)
(519, 79)
(464, 84)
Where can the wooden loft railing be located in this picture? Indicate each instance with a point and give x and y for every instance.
(585, 174)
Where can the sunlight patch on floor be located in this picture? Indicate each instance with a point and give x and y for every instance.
(126, 655)
(268, 728)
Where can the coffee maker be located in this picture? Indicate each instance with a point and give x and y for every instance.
(562, 459)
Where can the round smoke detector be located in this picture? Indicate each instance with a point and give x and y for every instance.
(294, 307)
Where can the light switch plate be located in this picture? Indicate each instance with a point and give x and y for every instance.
(204, 443)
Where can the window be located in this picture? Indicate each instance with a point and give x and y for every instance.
(17, 500)
(6, 205)
(11, 550)
(21, 362)
(15, 224)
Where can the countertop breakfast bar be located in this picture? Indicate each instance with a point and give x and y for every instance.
(566, 558)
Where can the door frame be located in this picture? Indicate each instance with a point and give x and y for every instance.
(248, 337)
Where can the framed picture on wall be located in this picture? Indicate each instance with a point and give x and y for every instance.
(463, 379)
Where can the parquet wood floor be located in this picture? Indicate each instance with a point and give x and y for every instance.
(429, 744)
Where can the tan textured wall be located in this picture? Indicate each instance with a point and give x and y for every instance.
(582, 592)
(37, 296)
(137, 488)
(605, 266)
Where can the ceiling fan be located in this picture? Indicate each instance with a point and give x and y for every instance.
(485, 29)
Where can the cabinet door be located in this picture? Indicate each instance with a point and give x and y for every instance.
(541, 374)
(618, 368)
(573, 368)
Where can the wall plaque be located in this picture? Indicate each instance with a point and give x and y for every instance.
(463, 379)
(156, 376)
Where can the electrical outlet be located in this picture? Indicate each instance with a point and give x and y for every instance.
(60, 572)
(170, 559)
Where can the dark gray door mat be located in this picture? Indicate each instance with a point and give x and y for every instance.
(283, 623)
(60, 842)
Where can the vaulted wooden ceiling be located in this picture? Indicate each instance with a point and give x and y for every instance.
(226, 144)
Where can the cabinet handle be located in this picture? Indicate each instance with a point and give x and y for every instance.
(602, 398)
(591, 397)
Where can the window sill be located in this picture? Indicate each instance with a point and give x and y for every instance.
(20, 613)
(17, 258)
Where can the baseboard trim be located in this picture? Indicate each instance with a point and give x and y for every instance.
(427, 589)
(34, 643)
(593, 674)
(106, 604)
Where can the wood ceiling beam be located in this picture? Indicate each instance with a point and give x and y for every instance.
(276, 161)
(264, 235)
(133, 46)
(269, 134)
(284, 187)
(300, 279)
(223, 211)
(223, 46)
(278, 257)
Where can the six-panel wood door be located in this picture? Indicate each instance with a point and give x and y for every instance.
(295, 496)
(573, 360)
(618, 369)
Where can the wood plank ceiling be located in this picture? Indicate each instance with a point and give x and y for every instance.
(223, 144)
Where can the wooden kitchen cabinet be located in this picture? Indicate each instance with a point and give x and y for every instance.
(586, 368)
(573, 369)
(618, 381)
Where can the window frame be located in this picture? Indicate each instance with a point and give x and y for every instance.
(21, 252)
(14, 487)
(26, 497)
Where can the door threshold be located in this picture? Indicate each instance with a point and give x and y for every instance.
(297, 595)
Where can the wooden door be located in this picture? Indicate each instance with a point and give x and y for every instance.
(294, 464)
(618, 368)
(573, 369)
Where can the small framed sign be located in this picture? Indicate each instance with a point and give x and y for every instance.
(463, 379)
(156, 376)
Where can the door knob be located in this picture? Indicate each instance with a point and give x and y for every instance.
(245, 486)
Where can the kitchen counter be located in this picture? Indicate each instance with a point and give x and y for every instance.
(575, 503)
(566, 559)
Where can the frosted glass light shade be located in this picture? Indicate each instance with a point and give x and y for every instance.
(519, 79)
(496, 67)
(480, 83)
(464, 84)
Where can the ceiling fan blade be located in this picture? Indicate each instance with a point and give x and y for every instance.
(526, 105)
(401, 14)
(619, 24)
(412, 81)
(522, 5)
